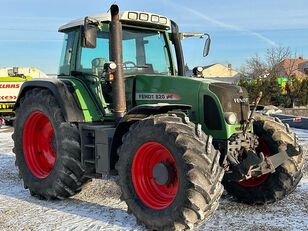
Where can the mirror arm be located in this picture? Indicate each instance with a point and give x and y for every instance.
(190, 35)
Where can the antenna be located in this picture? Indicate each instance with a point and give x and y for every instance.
(114, 3)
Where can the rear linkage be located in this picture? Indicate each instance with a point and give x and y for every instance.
(244, 162)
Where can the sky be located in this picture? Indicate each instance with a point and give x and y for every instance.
(239, 29)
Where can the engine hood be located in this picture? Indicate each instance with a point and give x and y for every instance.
(233, 98)
(156, 89)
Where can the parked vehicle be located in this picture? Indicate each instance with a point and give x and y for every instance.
(122, 106)
(11, 79)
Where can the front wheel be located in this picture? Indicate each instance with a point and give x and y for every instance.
(274, 136)
(169, 173)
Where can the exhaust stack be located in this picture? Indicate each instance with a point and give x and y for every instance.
(116, 55)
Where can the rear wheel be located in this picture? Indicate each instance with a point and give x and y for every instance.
(47, 148)
(274, 136)
(169, 173)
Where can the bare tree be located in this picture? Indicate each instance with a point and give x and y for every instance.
(255, 68)
(274, 59)
(291, 65)
(272, 65)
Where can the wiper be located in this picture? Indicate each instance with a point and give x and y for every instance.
(137, 66)
(142, 66)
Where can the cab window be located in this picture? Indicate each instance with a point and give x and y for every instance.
(66, 54)
(144, 52)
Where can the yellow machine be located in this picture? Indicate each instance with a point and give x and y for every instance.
(11, 79)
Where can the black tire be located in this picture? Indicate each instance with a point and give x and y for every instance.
(284, 180)
(197, 164)
(67, 175)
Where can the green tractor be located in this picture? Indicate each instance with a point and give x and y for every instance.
(122, 106)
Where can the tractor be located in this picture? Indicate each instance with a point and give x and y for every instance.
(122, 105)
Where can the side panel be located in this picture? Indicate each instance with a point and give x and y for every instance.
(184, 90)
(172, 90)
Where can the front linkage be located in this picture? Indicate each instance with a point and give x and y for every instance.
(246, 161)
(263, 166)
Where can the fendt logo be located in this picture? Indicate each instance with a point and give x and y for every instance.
(240, 100)
(157, 96)
(10, 85)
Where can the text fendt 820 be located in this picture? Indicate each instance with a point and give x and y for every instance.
(119, 107)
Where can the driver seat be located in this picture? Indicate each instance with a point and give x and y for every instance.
(98, 66)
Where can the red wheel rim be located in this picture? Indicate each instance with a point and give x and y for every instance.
(38, 138)
(152, 194)
(256, 181)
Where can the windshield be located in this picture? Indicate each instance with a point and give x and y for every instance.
(144, 52)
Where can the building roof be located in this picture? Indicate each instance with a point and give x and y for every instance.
(208, 66)
(294, 67)
(127, 17)
(220, 71)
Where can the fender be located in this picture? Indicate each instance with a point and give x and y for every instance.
(65, 97)
(135, 114)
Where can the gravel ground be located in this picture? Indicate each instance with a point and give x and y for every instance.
(98, 206)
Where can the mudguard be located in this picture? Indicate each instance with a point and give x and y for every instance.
(63, 94)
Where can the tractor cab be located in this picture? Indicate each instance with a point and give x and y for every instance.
(149, 40)
(145, 50)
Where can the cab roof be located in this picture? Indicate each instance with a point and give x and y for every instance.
(127, 17)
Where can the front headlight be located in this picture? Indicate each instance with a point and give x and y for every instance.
(230, 118)
(197, 71)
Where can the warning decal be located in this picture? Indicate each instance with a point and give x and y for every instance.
(157, 96)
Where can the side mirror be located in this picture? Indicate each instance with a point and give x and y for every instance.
(207, 46)
(89, 33)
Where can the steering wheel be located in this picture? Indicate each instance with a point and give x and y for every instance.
(127, 63)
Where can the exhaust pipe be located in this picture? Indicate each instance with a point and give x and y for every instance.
(116, 55)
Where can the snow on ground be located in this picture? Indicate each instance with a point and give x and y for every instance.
(98, 206)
